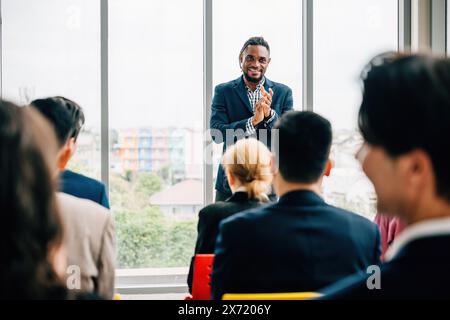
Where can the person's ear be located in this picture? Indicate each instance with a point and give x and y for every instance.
(418, 170)
(328, 167)
(64, 156)
(72, 146)
(268, 61)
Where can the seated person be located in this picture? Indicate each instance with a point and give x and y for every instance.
(72, 183)
(300, 243)
(404, 119)
(33, 260)
(247, 168)
(89, 232)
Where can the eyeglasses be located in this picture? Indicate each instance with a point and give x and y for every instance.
(362, 152)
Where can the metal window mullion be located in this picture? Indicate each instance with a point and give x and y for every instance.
(207, 99)
(438, 26)
(404, 25)
(307, 55)
(104, 126)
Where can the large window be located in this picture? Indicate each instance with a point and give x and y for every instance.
(52, 48)
(280, 23)
(346, 35)
(156, 112)
(234, 21)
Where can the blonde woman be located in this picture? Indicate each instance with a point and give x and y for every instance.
(247, 167)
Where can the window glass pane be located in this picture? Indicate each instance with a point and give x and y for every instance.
(52, 47)
(156, 103)
(280, 23)
(448, 28)
(347, 34)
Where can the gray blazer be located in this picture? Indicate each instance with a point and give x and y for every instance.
(89, 241)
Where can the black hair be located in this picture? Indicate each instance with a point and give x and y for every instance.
(254, 41)
(303, 146)
(76, 112)
(65, 115)
(406, 106)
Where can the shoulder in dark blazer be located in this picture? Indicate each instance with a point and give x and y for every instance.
(420, 270)
(83, 187)
(297, 244)
(209, 219)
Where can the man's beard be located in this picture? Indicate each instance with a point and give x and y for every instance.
(251, 79)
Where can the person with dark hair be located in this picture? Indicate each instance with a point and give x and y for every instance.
(300, 243)
(247, 106)
(33, 260)
(404, 119)
(89, 236)
(68, 119)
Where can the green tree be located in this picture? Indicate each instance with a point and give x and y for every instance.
(147, 238)
(148, 184)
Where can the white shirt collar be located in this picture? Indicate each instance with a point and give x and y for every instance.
(427, 228)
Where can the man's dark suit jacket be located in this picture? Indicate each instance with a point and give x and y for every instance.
(231, 110)
(84, 187)
(420, 270)
(209, 219)
(298, 244)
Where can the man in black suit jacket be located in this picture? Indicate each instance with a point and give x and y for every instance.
(67, 118)
(247, 106)
(299, 243)
(407, 159)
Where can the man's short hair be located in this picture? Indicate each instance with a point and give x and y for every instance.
(304, 146)
(76, 113)
(66, 116)
(406, 106)
(57, 115)
(254, 41)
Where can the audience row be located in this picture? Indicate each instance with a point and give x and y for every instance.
(55, 220)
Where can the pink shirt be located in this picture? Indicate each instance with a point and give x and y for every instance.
(390, 227)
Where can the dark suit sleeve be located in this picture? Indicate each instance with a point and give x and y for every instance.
(288, 104)
(104, 197)
(219, 121)
(223, 262)
(377, 249)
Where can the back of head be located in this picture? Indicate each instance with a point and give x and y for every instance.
(76, 113)
(65, 115)
(30, 222)
(303, 147)
(406, 106)
(249, 161)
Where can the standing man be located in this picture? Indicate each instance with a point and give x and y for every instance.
(247, 106)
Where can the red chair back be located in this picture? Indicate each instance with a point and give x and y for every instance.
(201, 284)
